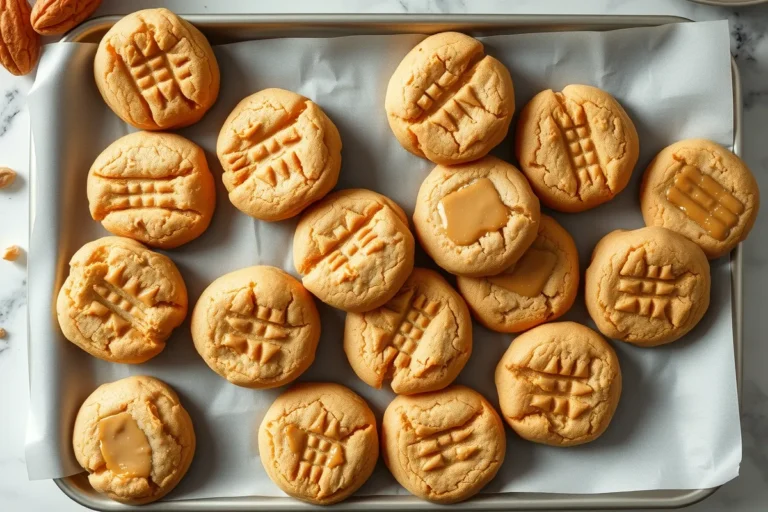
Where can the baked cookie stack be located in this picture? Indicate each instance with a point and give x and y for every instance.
(407, 328)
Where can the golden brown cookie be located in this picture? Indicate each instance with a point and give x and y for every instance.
(577, 147)
(318, 442)
(156, 71)
(449, 103)
(539, 287)
(476, 219)
(121, 301)
(421, 339)
(702, 191)
(443, 446)
(279, 152)
(559, 384)
(257, 327)
(354, 249)
(135, 439)
(649, 286)
(152, 187)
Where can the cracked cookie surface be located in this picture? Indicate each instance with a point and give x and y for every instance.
(701, 190)
(539, 287)
(559, 384)
(134, 438)
(648, 286)
(420, 340)
(318, 442)
(156, 71)
(577, 147)
(152, 187)
(354, 249)
(256, 327)
(448, 102)
(279, 152)
(476, 219)
(120, 301)
(443, 446)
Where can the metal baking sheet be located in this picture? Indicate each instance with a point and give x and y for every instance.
(234, 28)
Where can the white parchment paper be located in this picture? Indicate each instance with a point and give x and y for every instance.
(677, 425)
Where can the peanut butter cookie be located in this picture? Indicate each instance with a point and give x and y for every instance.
(702, 191)
(559, 384)
(577, 147)
(539, 287)
(443, 446)
(121, 301)
(354, 249)
(448, 102)
(318, 442)
(421, 339)
(256, 327)
(279, 152)
(648, 286)
(476, 219)
(135, 439)
(152, 187)
(156, 71)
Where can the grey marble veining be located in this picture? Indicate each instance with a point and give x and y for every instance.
(749, 34)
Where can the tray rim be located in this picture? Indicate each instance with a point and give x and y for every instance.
(440, 22)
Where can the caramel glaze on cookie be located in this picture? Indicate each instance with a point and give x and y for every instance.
(135, 439)
(443, 446)
(421, 339)
(704, 192)
(577, 147)
(121, 301)
(318, 442)
(559, 384)
(153, 187)
(448, 102)
(648, 287)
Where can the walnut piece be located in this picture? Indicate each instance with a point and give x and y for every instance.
(19, 43)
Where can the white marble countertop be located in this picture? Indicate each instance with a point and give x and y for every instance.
(749, 30)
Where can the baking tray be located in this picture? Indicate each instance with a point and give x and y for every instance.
(221, 29)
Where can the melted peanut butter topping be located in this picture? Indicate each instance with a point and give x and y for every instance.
(124, 446)
(529, 275)
(472, 211)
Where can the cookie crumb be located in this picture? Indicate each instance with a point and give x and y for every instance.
(7, 177)
(11, 253)
(2, 333)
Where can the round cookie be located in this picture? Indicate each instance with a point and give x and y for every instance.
(648, 287)
(449, 103)
(559, 384)
(541, 286)
(156, 71)
(701, 190)
(421, 339)
(257, 327)
(135, 439)
(121, 301)
(152, 187)
(577, 147)
(443, 446)
(354, 249)
(318, 442)
(279, 152)
(476, 219)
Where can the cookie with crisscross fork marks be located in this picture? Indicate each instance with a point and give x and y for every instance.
(256, 327)
(354, 249)
(279, 152)
(577, 147)
(443, 446)
(318, 442)
(121, 301)
(421, 339)
(156, 71)
(152, 187)
(449, 103)
(559, 384)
